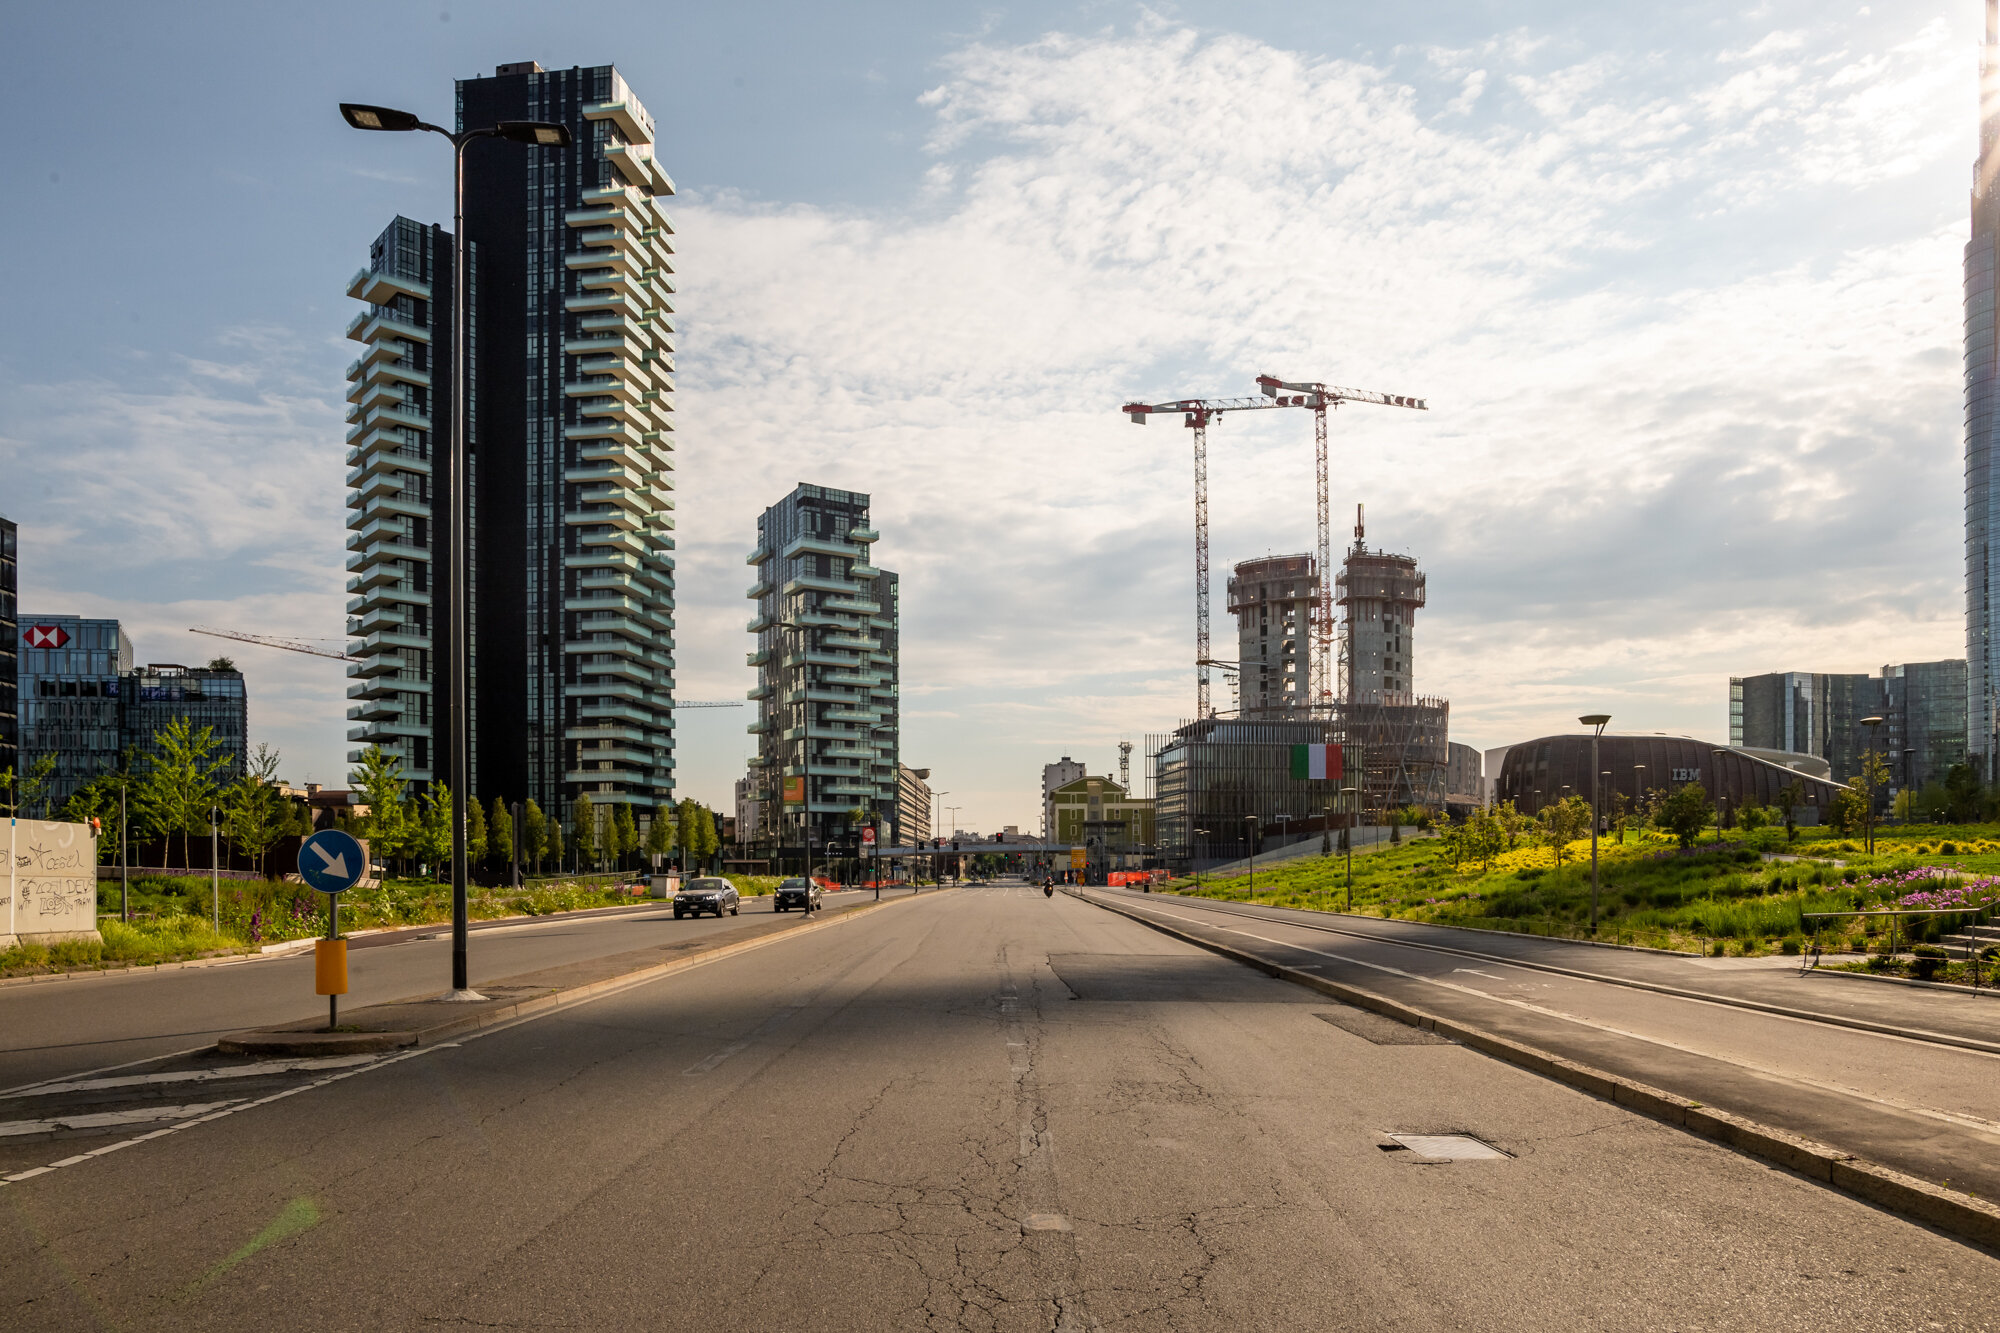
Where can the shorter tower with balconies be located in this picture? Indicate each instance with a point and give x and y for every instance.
(827, 670)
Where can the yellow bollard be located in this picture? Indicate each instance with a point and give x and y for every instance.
(330, 967)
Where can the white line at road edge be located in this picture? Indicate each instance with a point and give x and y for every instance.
(376, 1063)
(1949, 1117)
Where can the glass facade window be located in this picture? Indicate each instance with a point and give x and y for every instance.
(10, 647)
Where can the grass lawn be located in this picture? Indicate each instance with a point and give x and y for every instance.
(1711, 899)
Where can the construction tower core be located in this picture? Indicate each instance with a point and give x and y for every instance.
(1272, 600)
(1380, 594)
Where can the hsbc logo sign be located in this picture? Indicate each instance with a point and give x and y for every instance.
(45, 636)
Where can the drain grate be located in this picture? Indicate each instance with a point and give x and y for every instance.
(1445, 1147)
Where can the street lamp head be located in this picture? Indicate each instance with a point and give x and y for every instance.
(540, 133)
(1595, 719)
(1871, 721)
(363, 117)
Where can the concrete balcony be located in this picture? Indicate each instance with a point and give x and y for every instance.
(820, 546)
(863, 535)
(863, 571)
(372, 327)
(379, 551)
(631, 120)
(382, 288)
(819, 583)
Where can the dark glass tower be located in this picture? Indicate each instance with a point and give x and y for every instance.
(1981, 371)
(570, 362)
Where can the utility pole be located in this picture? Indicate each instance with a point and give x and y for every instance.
(1597, 720)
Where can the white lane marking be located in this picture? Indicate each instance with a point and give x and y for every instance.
(1950, 1117)
(1477, 973)
(712, 1061)
(106, 1119)
(228, 1109)
(258, 1070)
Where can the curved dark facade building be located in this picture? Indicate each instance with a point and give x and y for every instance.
(1539, 772)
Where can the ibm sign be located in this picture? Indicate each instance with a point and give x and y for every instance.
(1687, 775)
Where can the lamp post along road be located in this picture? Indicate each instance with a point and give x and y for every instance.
(1356, 792)
(1868, 780)
(542, 134)
(1599, 721)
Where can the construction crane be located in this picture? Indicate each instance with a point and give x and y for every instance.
(1196, 414)
(270, 641)
(1319, 397)
(305, 646)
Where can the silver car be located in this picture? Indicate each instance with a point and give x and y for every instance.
(708, 894)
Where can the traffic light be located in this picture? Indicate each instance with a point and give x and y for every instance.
(954, 844)
(998, 838)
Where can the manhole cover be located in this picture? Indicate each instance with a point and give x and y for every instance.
(1447, 1147)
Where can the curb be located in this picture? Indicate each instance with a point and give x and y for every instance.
(1957, 1214)
(305, 1041)
(1986, 992)
(1678, 993)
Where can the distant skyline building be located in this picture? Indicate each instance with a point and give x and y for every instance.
(1272, 599)
(70, 668)
(1059, 774)
(913, 804)
(1920, 703)
(827, 659)
(1403, 736)
(1982, 448)
(10, 646)
(570, 352)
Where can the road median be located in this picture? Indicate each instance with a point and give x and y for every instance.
(428, 1019)
(1952, 1211)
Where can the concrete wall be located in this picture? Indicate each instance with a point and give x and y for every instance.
(51, 884)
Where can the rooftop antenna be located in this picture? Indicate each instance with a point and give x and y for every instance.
(1360, 528)
(1125, 766)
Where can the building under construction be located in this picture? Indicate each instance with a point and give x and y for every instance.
(1404, 734)
(1272, 600)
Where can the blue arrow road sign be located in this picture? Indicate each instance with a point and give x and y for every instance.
(331, 861)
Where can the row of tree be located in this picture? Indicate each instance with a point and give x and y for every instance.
(168, 792)
(408, 830)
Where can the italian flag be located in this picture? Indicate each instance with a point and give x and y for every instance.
(1316, 761)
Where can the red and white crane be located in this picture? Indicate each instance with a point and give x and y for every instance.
(1196, 414)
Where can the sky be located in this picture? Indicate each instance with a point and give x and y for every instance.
(1682, 291)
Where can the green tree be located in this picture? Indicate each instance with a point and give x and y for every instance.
(582, 827)
(22, 792)
(430, 840)
(1685, 813)
(628, 834)
(534, 834)
(500, 840)
(1512, 822)
(1848, 812)
(556, 843)
(475, 834)
(389, 826)
(687, 833)
(709, 842)
(253, 812)
(1791, 798)
(1964, 800)
(1486, 836)
(1562, 823)
(180, 785)
(660, 833)
(1752, 817)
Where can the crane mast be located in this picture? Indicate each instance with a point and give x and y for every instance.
(1196, 414)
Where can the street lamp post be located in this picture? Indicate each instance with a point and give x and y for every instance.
(875, 852)
(1355, 792)
(1909, 783)
(1194, 858)
(215, 864)
(937, 861)
(1597, 720)
(1873, 724)
(1251, 839)
(541, 134)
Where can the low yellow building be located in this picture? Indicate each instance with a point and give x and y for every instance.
(1098, 814)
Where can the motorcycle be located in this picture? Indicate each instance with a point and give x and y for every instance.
(1048, 890)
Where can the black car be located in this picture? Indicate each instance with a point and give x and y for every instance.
(708, 894)
(803, 894)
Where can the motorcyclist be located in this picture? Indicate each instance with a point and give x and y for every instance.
(1049, 887)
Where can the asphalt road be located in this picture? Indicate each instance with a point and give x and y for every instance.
(980, 1110)
(1927, 1109)
(64, 1027)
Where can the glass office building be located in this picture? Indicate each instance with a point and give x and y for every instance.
(826, 655)
(570, 363)
(69, 696)
(151, 697)
(1982, 371)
